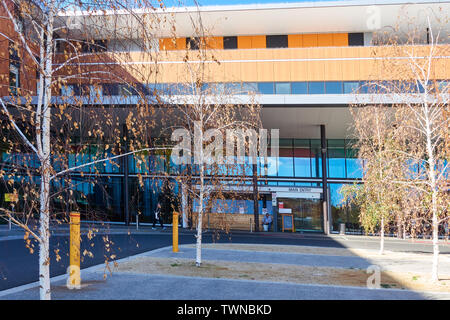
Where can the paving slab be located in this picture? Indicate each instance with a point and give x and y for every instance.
(128, 286)
(419, 264)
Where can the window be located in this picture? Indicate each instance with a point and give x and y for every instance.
(444, 86)
(265, 87)
(230, 42)
(68, 90)
(14, 78)
(302, 158)
(286, 158)
(356, 39)
(178, 88)
(157, 89)
(316, 158)
(38, 73)
(14, 69)
(299, 87)
(316, 87)
(365, 87)
(280, 41)
(94, 46)
(110, 89)
(352, 162)
(333, 87)
(126, 90)
(249, 87)
(283, 88)
(336, 158)
(351, 87)
(233, 88)
(192, 43)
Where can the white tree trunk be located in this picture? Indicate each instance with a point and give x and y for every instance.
(434, 192)
(44, 245)
(435, 268)
(198, 259)
(382, 237)
(44, 217)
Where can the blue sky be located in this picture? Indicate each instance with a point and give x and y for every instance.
(225, 2)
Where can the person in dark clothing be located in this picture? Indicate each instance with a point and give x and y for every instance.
(158, 217)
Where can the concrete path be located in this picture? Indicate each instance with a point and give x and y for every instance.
(419, 264)
(126, 286)
(130, 286)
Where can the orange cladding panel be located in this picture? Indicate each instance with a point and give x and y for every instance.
(310, 40)
(244, 42)
(325, 40)
(295, 40)
(258, 42)
(340, 39)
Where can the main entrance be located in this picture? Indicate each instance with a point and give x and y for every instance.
(304, 204)
(307, 213)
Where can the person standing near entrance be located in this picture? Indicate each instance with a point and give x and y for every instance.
(267, 220)
(158, 217)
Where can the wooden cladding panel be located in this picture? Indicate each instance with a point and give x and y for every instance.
(340, 39)
(172, 44)
(332, 68)
(244, 42)
(310, 40)
(214, 42)
(295, 64)
(325, 40)
(251, 42)
(259, 41)
(295, 41)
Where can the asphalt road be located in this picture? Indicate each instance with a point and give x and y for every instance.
(18, 266)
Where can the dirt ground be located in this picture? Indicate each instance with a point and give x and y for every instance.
(348, 252)
(283, 272)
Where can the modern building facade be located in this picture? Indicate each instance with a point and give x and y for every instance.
(307, 62)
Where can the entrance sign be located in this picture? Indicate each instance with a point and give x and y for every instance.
(287, 222)
(300, 195)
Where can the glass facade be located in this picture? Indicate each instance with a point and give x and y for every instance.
(98, 190)
(307, 87)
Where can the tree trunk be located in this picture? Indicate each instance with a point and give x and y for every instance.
(198, 259)
(199, 144)
(435, 270)
(382, 237)
(434, 194)
(44, 217)
(44, 245)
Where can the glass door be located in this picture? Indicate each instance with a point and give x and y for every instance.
(307, 213)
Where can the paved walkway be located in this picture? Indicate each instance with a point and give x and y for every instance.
(412, 263)
(125, 285)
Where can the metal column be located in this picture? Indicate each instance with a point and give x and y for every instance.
(125, 176)
(255, 197)
(323, 142)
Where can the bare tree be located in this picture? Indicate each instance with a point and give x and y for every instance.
(377, 198)
(64, 67)
(207, 115)
(418, 140)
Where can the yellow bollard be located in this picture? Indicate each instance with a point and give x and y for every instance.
(175, 232)
(74, 268)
